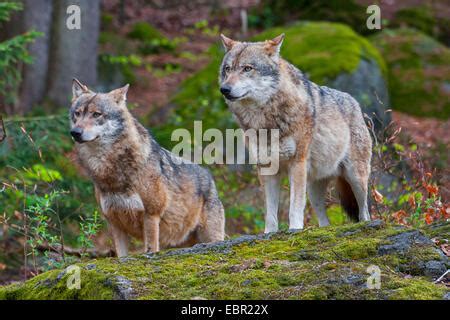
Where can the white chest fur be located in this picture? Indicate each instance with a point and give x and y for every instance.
(116, 202)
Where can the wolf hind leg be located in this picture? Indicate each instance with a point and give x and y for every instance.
(317, 192)
(213, 228)
(357, 180)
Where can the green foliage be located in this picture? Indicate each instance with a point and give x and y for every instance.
(165, 70)
(89, 228)
(43, 194)
(418, 72)
(12, 53)
(35, 161)
(39, 219)
(122, 65)
(151, 40)
(7, 8)
(424, 19)
(159, 45)
(272, 13)
(204, 28)
(144, 32)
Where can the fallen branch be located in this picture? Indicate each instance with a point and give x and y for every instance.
(91, 252)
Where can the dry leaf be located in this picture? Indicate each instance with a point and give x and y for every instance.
(412, 201)
(446, 249)
(378, 197)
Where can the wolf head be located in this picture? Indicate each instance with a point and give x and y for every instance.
(97, 116)
(250, 70)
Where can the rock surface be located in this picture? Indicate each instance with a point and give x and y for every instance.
(318, 263)
(419, 72)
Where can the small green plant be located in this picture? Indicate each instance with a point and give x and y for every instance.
(89, 227)
(41, 231)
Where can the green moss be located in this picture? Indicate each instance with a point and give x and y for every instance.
(337, 215)
(317, 263)
(53, 286)
(415, 289)
(419, 72)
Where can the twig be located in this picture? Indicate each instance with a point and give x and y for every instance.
(2, 130)
(442, 277)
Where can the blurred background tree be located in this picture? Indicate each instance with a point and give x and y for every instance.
(59, 55)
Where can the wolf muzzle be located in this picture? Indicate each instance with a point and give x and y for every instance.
(226, 91)
(76, 134)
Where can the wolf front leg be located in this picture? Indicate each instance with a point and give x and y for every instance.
(297, 181)
(272, 193)
(151, 232)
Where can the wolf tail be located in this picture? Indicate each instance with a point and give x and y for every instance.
(348, 200)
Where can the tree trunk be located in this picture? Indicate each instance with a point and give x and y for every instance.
(37, 15)
(73, 52)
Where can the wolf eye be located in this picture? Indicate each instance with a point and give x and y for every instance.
(248, 69)
(77, 113)
(227, 69)
(96, 114)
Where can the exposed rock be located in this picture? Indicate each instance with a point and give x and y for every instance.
(402, 243)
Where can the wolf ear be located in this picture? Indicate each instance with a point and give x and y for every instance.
(120, 94)
(227, 42)
(78, 89)
(273, 46)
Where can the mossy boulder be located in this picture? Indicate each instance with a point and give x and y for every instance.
(330, 53)
(317, 263)
(419, 72)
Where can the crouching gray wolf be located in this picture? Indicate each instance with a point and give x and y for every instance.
(322, 131)
(143, 190)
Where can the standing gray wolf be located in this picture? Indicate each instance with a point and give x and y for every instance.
(322, 133)
(143, 190)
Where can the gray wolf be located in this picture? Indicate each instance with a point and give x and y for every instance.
(323, 136)
(143, 190)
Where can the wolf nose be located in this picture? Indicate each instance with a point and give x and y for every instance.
(225, 90)
(76, 134)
